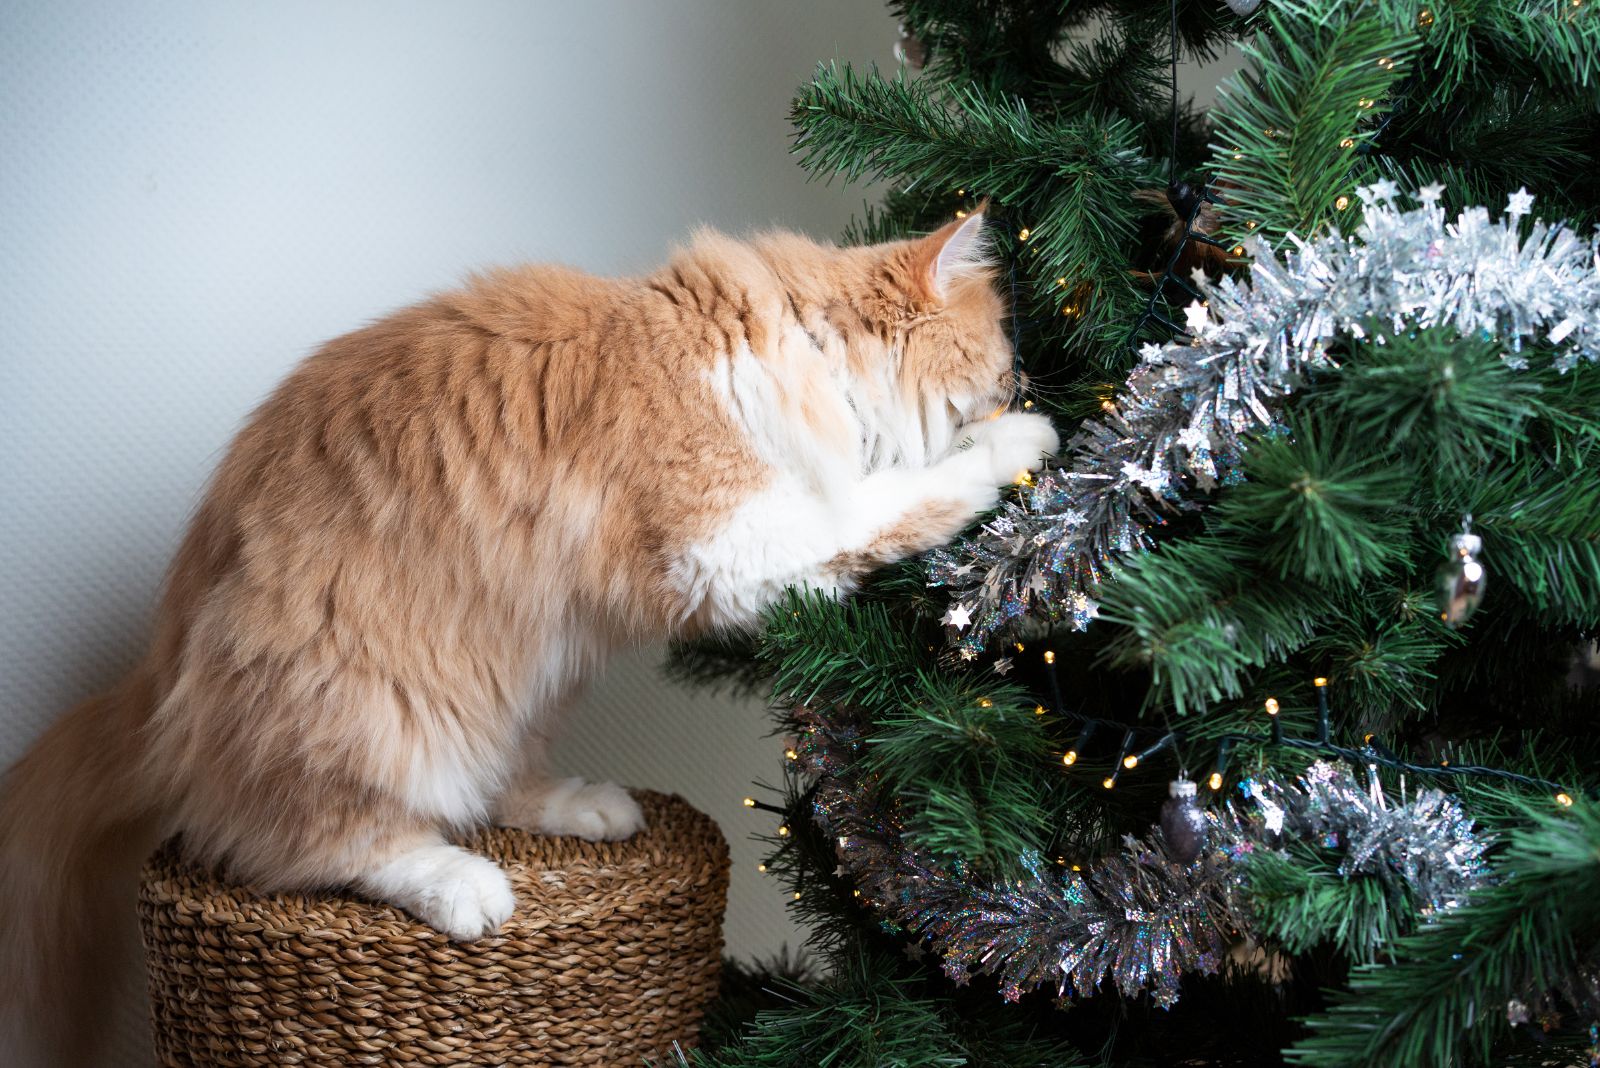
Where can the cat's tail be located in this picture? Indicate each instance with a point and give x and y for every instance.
(76, 818)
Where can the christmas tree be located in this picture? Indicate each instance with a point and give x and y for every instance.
(1255, 729)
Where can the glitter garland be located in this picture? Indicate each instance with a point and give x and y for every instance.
(1180, 425)
(1139, 917)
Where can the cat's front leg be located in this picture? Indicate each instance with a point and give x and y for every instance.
(922, 508)
(790, 535)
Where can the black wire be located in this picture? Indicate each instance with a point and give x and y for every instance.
(1172, 157)
(1167, 276)
(1365, 754)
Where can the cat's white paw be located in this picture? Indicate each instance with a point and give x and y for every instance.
(594, 811)
(459, 893)
(1016, 442)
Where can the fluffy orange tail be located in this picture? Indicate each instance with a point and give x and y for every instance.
(76, 818)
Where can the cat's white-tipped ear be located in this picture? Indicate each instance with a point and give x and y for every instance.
(954, 249)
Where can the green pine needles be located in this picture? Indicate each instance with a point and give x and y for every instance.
(1321, 562)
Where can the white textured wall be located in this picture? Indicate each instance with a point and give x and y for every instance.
(193, 196)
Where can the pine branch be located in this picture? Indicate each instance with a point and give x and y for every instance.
(1291, 127)
(1446, 993)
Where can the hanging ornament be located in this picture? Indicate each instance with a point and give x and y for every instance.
(913, 50)
(1183, 825)
(1242, 7)
(1461, 577)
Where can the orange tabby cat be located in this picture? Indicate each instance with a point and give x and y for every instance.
(439, 524)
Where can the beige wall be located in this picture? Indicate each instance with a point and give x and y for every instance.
(194, 195)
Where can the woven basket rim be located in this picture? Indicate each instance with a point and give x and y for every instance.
(530, 860)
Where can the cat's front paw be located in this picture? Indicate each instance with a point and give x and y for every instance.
(1016, 443)
(462, 894)
(594, 811)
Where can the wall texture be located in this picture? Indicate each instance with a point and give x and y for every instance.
(193, 196)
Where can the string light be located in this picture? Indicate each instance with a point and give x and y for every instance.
(1215, 782)
(783, 830)
(1386, 63)
(984, 702)
(1038, 710)
(1022, 234)
(797, 895)
(761, 867)
(1124, 758)
(1342, 203)
(1049, 656)
(1237, 250)
(961, 214)
(1425, 17)
(1365, 102)
(791, 754)
(1564, 799)
(1109, 781)
(1272, 706)
(1070, 757)
(1348, 142)
(749, 802)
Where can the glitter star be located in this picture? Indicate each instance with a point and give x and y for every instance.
(1383, 190)
(1430, 194)
(964, 569)
(1002, 666)
(1197, 315)
(1520, 204)
(959, 617)
(914, 951)
(1149, 478)
(1194, 439)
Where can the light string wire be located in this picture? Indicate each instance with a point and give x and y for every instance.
(1369, 753)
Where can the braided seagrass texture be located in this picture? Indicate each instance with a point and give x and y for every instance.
(611, 957)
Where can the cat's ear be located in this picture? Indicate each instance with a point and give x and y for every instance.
(955, 249)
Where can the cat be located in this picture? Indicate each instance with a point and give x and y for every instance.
(439, 524)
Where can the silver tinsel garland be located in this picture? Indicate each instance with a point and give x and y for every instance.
(1180, 424)
(1138, 917)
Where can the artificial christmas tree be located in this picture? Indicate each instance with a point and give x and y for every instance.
(1314, 566)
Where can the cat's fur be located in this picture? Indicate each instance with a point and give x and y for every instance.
(440, 523)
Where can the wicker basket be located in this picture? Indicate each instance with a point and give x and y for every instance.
(611, 957)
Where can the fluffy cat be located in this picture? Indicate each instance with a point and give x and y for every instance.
(440, 523)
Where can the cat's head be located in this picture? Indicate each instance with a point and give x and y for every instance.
(945, 322)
